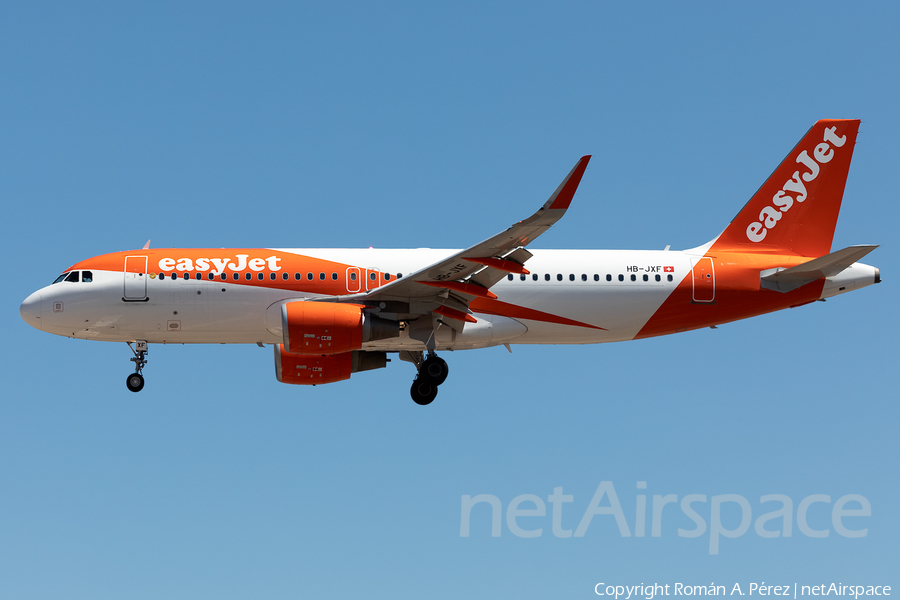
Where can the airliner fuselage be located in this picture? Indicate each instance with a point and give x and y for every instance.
(568, 296)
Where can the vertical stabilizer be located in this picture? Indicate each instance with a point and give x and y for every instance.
(796, 209)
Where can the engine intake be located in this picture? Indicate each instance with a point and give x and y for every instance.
(327, 328)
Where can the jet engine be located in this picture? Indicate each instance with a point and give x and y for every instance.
(314, 370)
(331, 328)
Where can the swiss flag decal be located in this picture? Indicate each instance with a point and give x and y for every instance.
(668, 269)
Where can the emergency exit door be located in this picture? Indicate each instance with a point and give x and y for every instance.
(704, 279)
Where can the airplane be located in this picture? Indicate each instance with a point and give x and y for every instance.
(330, 313)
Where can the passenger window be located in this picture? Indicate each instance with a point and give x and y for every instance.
(186, 276)
(334, 276)
(284, 276)
(547, 277)
(608, 277)
(235, 276)
(248, 276)
(621, 277)
(321, 276)
(60, 278)
(657, 277)
(596, 277)
(199, 276)
(297, 276)
(387, 276)
(352, 276)
(523, 277)
(87, 277)
(571, 277)
(534, 277)
(260, 276)
(372, 276)
(583, 277)
(223, 276)
(559, 276)
(646, 277)
(73, 277)
(633, 277)
(309, 276)
(668, 278)
(510, 277)
(173, 276)
(211, 276)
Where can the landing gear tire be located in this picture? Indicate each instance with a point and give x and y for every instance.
(423, 391)
(135, 382)
(435, 369)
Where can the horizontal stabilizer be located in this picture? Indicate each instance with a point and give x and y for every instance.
(785, 280)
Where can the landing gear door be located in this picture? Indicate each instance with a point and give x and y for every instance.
(704, 279)
(135, 278)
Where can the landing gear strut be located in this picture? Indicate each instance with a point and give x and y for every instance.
(433, 372)
(135, 381)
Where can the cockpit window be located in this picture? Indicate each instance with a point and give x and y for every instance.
(73, 276)
(87, 277)
(60, 278)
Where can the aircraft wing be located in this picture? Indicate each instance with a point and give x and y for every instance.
(457, 279)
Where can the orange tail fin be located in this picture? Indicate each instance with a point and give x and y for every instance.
(796, 209)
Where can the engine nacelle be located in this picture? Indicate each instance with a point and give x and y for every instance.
(314, 370)
(326, 328)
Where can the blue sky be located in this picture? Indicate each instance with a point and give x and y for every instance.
(411, 125)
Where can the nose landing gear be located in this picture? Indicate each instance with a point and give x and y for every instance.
(433, 372)
(135, 381)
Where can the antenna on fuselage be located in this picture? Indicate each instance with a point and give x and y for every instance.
(146, 246)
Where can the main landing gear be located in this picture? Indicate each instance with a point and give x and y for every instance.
(433, 372)
(135, 381)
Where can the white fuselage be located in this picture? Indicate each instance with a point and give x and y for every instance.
(569, 297)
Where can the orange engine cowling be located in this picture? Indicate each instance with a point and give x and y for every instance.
(330, 328)
(314, 370)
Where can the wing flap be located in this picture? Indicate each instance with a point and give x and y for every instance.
(469, 289)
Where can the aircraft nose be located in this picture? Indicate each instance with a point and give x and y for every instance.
(30, 310)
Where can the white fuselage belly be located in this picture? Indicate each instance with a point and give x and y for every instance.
(202, 311)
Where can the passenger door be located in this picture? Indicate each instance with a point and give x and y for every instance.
(135, 278)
